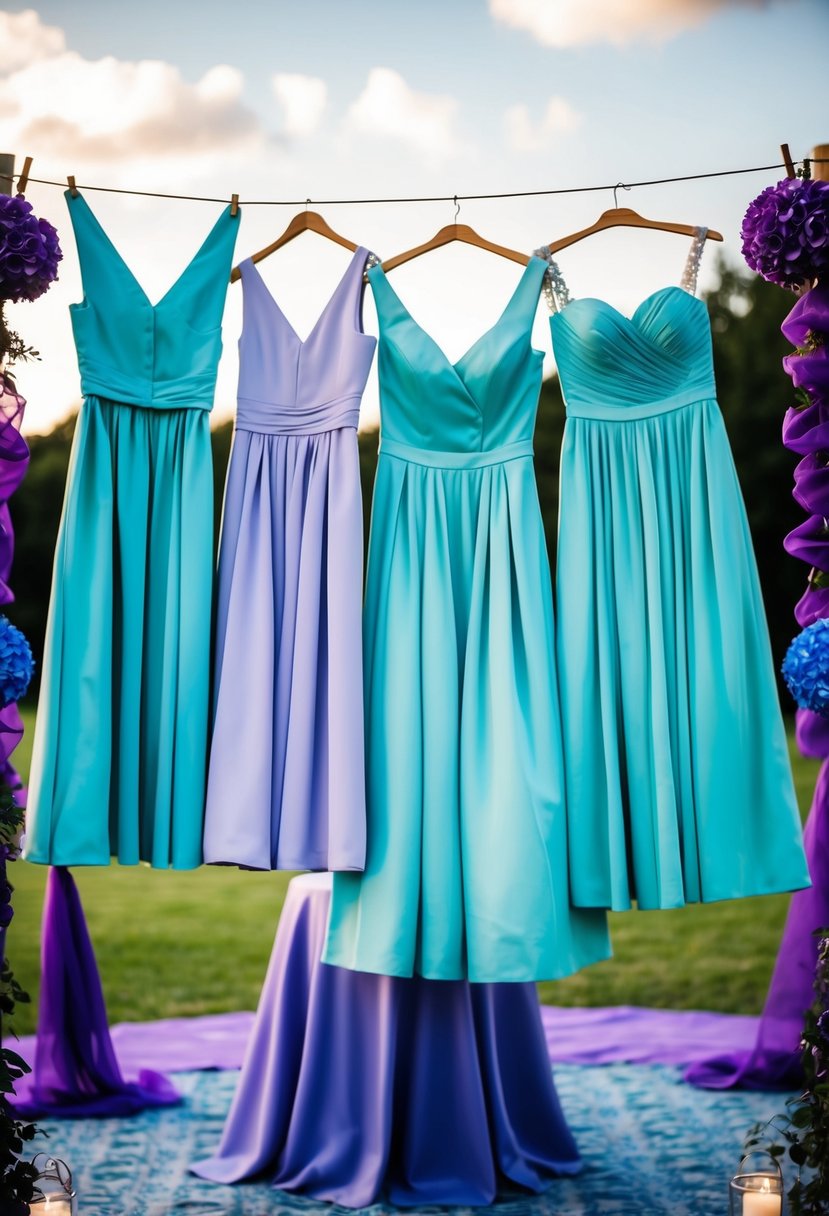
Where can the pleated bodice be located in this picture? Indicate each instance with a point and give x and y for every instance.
(615, 367)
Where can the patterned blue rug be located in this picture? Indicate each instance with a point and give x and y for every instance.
(651, 1146)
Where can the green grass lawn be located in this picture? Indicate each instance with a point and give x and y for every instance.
(184, 943)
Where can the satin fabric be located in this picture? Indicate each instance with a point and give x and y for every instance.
(466, 864)
(679, 784)
(120, 743)
(288, 652)
(774, 1060)
(75, 1072)
(357, 1088)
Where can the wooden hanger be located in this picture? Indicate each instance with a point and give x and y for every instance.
(455, 232)
(303, 221)
(624, 217)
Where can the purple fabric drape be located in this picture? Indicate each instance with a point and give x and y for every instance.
(76, 1074)
(357, 1087)
(774, 1060)
(14, 461)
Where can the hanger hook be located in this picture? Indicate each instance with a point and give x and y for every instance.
(618, 186)
(457, 208)
(307, 203)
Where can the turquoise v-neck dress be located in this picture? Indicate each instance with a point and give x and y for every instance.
(466, 865)
(678, 777)
(121, 736)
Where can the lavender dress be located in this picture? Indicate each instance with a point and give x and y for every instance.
(286, 783)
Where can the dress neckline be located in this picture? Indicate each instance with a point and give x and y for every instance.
(249, 265)
(378, 272)
(73, 200)
(630, 318)
(559, 298)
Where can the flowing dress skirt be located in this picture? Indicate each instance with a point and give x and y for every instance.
(678, 773)
(118, 766)
(466, 868)
(286, 786)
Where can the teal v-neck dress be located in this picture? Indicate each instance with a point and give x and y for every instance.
(466, 867)
(121, 734)
(678, 773)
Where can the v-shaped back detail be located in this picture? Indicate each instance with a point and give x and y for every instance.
(160, 356)
(88, 229)
(485, 400)
(290, 385)
(353, 275)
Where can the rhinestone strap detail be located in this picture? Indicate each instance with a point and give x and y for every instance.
(554, 287)
(688, 282)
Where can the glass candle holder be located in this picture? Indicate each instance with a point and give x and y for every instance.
(757, 1187)
(53, 1195)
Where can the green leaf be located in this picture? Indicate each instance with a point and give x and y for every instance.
(798, 1154)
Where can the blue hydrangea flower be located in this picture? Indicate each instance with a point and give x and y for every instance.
(806, 668)
(16, 662)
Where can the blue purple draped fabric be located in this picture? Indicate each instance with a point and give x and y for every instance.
(76, 1073)
(774, 1060)
(358, 1086)
(14, 461)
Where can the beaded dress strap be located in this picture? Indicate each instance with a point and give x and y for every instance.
(688, 282)
(371, 261)
(553, 285)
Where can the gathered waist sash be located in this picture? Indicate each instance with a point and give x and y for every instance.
(607, 412)
(269, 418)
(456, 460)
(194, 392)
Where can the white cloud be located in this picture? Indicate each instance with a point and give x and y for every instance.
(388, 108)
(561, 23)
(57, 104)
(303, 100)
(524, 135)
(24, 38)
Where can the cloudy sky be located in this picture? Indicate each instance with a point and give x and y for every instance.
(329, 100)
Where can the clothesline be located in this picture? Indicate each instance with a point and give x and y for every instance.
(435, 198)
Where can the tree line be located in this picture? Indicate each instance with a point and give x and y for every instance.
(753, 392)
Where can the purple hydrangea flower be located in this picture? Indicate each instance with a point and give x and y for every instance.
(16, 662)
(785, 232)
(29, 251)
(806, 667)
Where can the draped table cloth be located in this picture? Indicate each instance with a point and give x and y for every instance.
(357, 1086)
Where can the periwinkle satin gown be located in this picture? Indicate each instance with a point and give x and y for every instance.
(678, 776)
(120, 741)
(466, 865)
(286, 784)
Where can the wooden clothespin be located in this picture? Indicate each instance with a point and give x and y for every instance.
(23, 179)
(234, 204)
(787, 160)
(73, 189)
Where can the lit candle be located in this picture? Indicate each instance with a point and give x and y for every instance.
(52, 1205)
(762, 1202)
